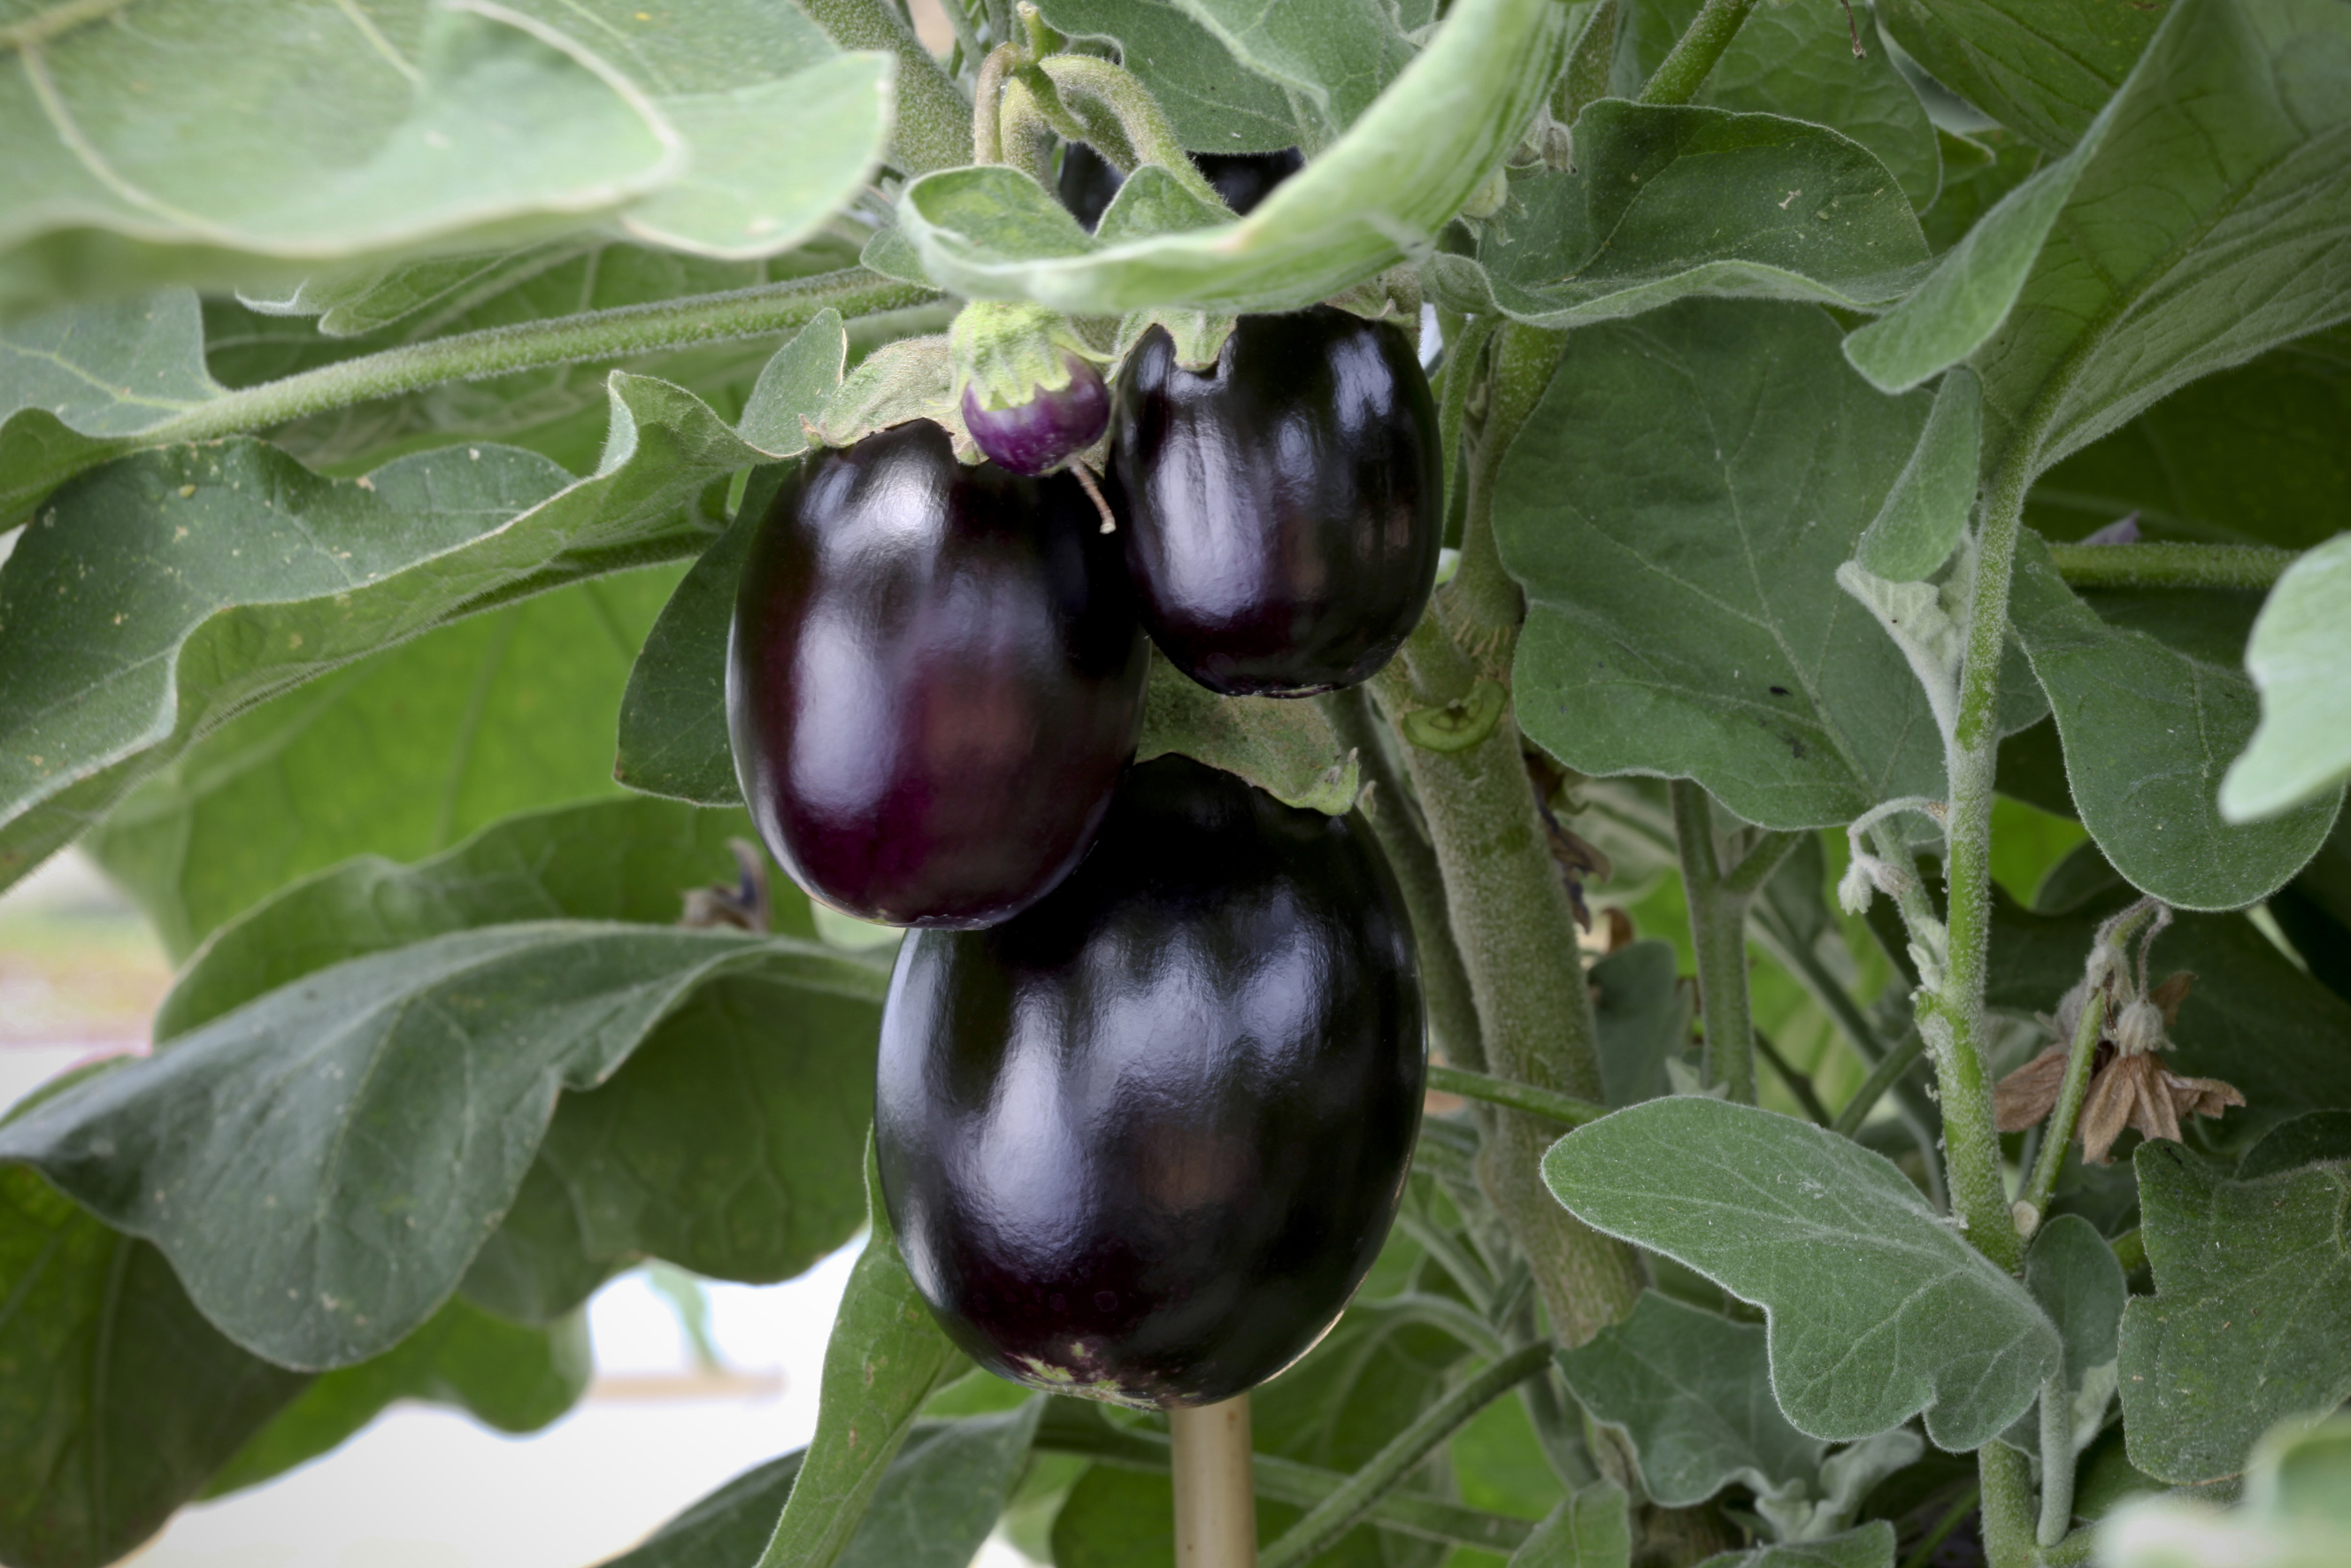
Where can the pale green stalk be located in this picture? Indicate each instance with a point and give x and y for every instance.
(1560, 1108)
(2008, 1525)
(1682, 72)
(1717, 905)
(2056, 1461)
(2170, 565)
(2062, 1117)
(932, 127)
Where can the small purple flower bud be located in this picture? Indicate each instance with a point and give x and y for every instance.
(1040, 435)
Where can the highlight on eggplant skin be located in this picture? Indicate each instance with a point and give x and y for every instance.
(934, 680)
(1142, 1142)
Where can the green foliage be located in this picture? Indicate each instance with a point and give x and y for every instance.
(2300, 647)
(1877, 1308)
(1215, 106)
(2251, 1319)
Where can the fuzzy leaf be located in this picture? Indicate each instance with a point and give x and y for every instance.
(1877, 1308)
(1871, 1546)
(2251, 1319)
(2300, 660)
(2072, 1273)
(1286, 749)
(1589, 1529)
(1669, 201)
(2041, 68)
(72, 379)
(1215, 106)
(318, 1217)
(1676, 507)
(1336, 55)
(2147, 731)
(1378, 194)
(1927, 512)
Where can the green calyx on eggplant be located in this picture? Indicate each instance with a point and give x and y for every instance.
(1088, 180)
(934, 680)
(1142, 1142)
(1283, 508)
(1030, 395)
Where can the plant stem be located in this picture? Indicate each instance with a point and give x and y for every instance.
(619, 333)
(1560, 1108)
(1681, 73)
(1882, 1077)
(1717, 920)
(2075, 1548)
(2068, 1108)
(2007, 1483)
(1444, 980)
(2056, 1461)
(1508, 909)
(1952, 1019)
(1799, 1085)
(933, 126)
(1924, 1553)
(2170, 565)
(1216, 1493)
(1337, 1513)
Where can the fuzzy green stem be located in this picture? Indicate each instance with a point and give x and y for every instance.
(1682, 72)
(1444, 979)
(933, 126)
(2007, 1481)
(613, 334)
(1339, 1512)
(2170, 565)
(1560, 1108)
(2056, 1461)
(1717, 920)
(2062, 1117)
(2074, 1550)
(988, 104)
(1086, 83)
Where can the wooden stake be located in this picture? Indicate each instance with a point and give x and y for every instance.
(1215, 1494)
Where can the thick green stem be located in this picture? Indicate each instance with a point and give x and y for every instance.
(2170, 565)
(2056, 1461)
(1444, 979)
(1952, 1019)
(1718, 915)
(933, 128)
(1093, 89)
(613, 334)
(1560, 1108)
(1337, 1513)
(2062, 1117)
(1682, 72)
(2007, 1481)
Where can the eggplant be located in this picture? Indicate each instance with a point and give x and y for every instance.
(1088, 180)
(934, 679)
(1283, 508)
(1142, 1142)
(1040, 435)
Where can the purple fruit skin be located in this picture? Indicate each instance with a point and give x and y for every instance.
(1282, 508)
(1147, 1136)
(1041, 433)
(934, 680)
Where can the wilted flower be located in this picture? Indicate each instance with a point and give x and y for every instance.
(2129, 1087)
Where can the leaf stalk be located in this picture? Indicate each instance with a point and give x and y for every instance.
(2062, 1117)
(1685, 69)
(1564, 1109)
(2167, 565)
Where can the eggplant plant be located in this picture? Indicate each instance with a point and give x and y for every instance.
(1855, 823)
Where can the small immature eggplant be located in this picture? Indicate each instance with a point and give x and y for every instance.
(1088, 180)
(1039, 435)
(1140, 1142)
(934, 679)
(1285, 505)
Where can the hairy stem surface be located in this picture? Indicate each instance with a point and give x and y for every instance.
(1682, 72)
(932, 126)
(2170, 565)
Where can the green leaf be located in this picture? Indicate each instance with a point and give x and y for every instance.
(1385, 189)
(2294, 1512)
(117, 1400)
(611, 859)
(1335, 54)
(885, 1357)
(2147, 731)
(1793, 60)
(402, 754)
(1676, 507)
(71, 379)
(2251, 1319)
(1693, 1391)
(1927, 512)
(1871, 1546)
(736, 80)
(2042, 67)
(728, 1526)
(2072, 1273)
(2300, 660)
(1877, 1308)
(2172, 260)
(410, 128)
(1589, 1529)
(507, 1376)
(1643, 1012)
(2257, 455)
(1286, 749)
(1215, 106)
(318, 1217)
(159, 595)
(1672, 201)
(2305, 1140)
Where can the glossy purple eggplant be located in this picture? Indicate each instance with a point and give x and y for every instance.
(1039, 435)
(1283, 508)
(1142, 1142)
(1088, 180)
(934, 679)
